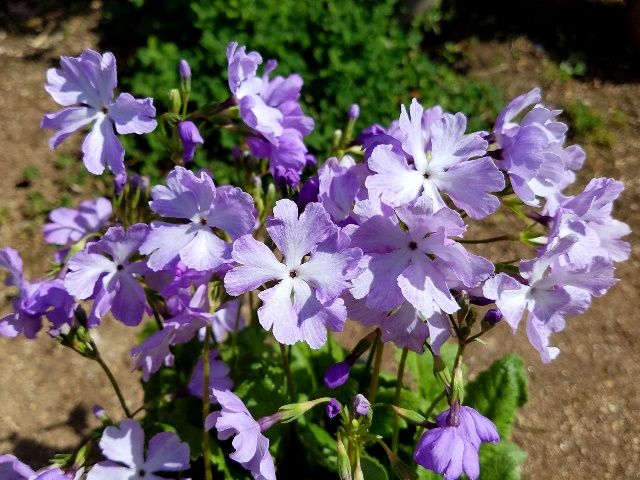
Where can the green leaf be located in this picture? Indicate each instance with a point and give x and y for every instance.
(501, 461)
(424, 474)
(319, 444)
(499, 391)
(372, 469)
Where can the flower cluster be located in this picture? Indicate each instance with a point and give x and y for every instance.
(377, 235)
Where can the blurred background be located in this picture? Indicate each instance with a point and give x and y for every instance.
(583, 416)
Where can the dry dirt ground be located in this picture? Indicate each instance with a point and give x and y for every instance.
(583, 416)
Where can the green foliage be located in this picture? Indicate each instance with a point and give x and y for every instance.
(501, 461)
(346, 51)
(587, 123)
(372, 469)
(499, 391)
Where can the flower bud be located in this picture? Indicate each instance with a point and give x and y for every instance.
(409, 415)
(292, 411)
(344, 464)
(361, 406)
(336, 375)
(185, 70)
(492, 317)
(333, 408)
(354, 112)
(190, 137)
(175, 103)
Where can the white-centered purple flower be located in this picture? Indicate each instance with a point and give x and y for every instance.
(533, 154)
(553, 289)
(67, 226)
(218, 377)
(451, 448)
(437, 156)
(190, 138)
(318, 266)
(251, 446)
(85, 85)
(207, 211)
(33, 300)
(409, 256)
(123, 447)
(271, 108)
(104, 272)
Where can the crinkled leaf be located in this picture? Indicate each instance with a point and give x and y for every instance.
(501, 461)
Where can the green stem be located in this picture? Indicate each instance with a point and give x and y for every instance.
(434, 404)
(499, 238)
(287, 370)
(114, 383)
(206, 373)
(377, 362)
(396, 400)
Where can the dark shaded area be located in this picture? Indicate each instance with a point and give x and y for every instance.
(598, 39)
(37, 454)
(33, 16)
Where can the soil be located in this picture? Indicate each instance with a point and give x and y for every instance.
(583, 416)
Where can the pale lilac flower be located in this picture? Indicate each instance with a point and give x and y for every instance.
(54, 473)
(251, 447)
(443, 159)
(218, 376)
(85, 85)
(271, 108)
(190, 137)
(123, 447)
(205, 209)
(341, 185)
(554, 289)
(104, 273)
(451, 448)
(68, 225)
(361, 406)
(588, 217)
(532, 151)
(305, 302)
(410, 256)
(33, 301)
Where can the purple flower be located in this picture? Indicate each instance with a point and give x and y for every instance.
(441, 157)
(361, 406)
(33, 301)
(305, 302)
(104, 272)
(190, 137)
(410, 256)
(533, 154)
(493, 316)
(308, 192)
(341, 185)
(451, 448)
(270, 107)
(251, 447)
(68, 225)
(184, 69)
(13, 469)
(123, 446)
(588, 217)
(333, 408)
(218, 376)
(205, 208)
(85, 85)
(554, 289)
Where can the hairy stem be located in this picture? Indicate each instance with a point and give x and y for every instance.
(287, 370)
(206, 373)
(499, 238)
(396, 399)
(114, 383)
(373, 385)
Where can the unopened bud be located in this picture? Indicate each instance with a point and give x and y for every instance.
(409, 415)
(184, 69)
(492, 317)
(333, 408)
(344, 464)
(336, 375)
(292, 411)
(175, 103)
(440, 370)
(361, 406)
(354, 112)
